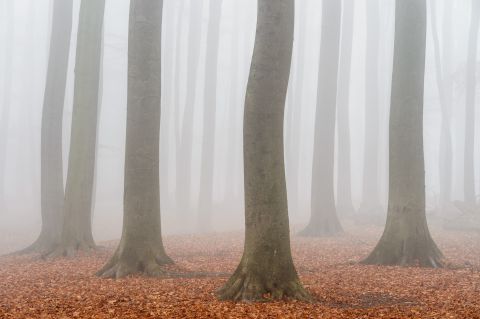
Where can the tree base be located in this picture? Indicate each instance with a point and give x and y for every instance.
(248, 286)
(406, 253)
(124, 264)
(329, 229)
(68, 250)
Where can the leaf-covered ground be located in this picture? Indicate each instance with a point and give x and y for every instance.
(67, 288)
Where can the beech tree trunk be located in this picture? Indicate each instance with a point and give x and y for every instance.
(324, 220)
(370, 191)
(77, 210)
(266, 267)
(209, 118)
(443, 65)
(52, 193)
(344, 178)
(406, 239)
(469, 157)
(141, 248)
(6, 101)
(184, 155)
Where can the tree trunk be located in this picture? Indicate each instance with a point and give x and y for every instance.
(469, 160)
(77, 211)
(52, 193)
(209, 118)
(184, 155)
(406, 239)
(266, 267)
(296, 107)
(141, 248)
(370, 191)
(7, 98)
(324, 220)
(344, 178)
(443, 65)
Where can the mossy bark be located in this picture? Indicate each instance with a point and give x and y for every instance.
(266, 269)
(141, 248)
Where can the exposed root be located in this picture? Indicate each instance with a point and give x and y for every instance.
(406, 254)
(242, 287)
(121, 267)
(323, 230)
(68, 250)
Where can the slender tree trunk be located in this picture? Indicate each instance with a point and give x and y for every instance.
(267, 267)
(52, 193)
(296, 106)
(370, 191)
(141, 248)
(324, 220)
(469, 159)
(344, 178)
(184, 155)
(209, 118)
(443, 65)
(406, 239)
(7, 98)
(77, 210)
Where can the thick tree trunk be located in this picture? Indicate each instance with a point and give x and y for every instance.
(6, 101)
(266, 267)
(344, 178)
(406, 239)
(209, 118)
(370, 191)
(77, 211)
(443, 65)
(52, 193)
(184, 155)
(324, 220)
(141, 248)
(469, 159)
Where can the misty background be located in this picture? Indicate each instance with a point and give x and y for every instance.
(25, 36)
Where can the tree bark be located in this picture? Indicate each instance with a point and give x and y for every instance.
(324, 220)
(370, 191)
(184, 155)
(406, 239)
(141, 249)
(77, 210)
(209, 118)
(266, 267)
(469, 157)
(52, 193)
(344, 178)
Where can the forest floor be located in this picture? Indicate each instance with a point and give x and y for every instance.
(341, 288)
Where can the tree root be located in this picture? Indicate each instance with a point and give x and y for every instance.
(243, 287)
(323, 230)
(68, 250)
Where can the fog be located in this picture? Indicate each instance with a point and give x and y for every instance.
(25, 33)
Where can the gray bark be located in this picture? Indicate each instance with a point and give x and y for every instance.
(7, 94)
(324, 220)
(266, 267)
(370, 191)
(77, 210)
(141, 249)
(344, 178)
(209, 118)
(469, 157)
(184, 149)
(52, 194)
(406, 239)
